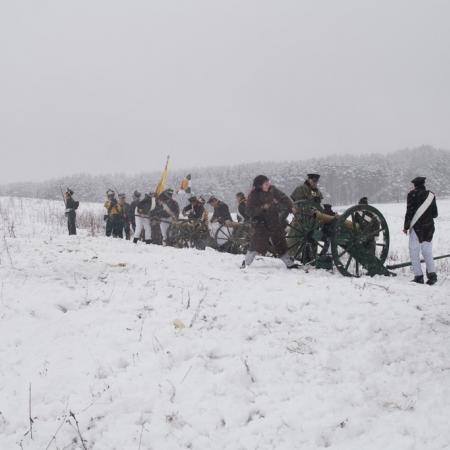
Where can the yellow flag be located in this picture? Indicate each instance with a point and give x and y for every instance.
(162, 181)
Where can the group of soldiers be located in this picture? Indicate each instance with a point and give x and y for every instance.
(148, 218)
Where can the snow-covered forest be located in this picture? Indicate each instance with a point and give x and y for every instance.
(383, 178)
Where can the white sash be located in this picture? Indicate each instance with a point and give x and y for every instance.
(423, 207)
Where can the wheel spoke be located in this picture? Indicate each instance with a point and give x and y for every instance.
(348, 263)
(293, 228)
(353, 222)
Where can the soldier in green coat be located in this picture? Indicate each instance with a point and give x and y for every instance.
(308, 190)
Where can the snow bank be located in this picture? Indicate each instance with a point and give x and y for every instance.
(159, 348)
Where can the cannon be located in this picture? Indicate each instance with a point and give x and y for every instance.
(355, 242)
(188, 233)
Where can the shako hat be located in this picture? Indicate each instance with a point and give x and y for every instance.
(418, 181)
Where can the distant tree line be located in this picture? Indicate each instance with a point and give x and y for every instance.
(382, 178)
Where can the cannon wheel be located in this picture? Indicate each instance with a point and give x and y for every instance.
(302, 234)
(233, 239)
(177, 236)
(199, 235)
(187, 234)
(360, 244)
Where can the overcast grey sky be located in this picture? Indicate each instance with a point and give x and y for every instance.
(107, 85)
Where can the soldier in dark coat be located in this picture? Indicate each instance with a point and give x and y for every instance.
(242, 206)
(221, 211)
(195, 210)
(421, 210)
(308, 190)
(267, 228)
(134, 203)
(369, 224)
(71, 214)
(125, 210)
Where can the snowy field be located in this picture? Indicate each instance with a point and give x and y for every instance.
(142, 347)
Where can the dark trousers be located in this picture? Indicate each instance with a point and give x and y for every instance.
(114, 226)
(127, 229)
(71, 223)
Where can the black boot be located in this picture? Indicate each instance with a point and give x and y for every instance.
(135, 240)
(418, 279)
(148, 241)
(432, 278)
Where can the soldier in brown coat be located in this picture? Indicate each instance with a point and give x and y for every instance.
(267, 228)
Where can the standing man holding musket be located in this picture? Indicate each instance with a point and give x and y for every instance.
(71, 214)
(421, 210)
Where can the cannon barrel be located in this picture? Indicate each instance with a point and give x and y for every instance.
(409, 263)
(327, 218)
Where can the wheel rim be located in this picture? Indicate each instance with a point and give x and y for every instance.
(360, 245)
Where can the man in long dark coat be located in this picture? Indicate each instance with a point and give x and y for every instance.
(421, 210)
(71, 211)
(267, 228)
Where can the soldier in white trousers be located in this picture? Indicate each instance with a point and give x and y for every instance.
(421, 211)
(169, 212)
(142, 218)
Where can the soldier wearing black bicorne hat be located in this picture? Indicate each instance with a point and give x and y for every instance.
(421, 210)
(308, 190)
(71, 214)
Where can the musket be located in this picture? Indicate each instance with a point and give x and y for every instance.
(407, 264)
(64, 198)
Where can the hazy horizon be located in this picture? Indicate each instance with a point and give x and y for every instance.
(105, 86)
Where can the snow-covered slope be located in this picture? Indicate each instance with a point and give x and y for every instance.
(143, 347)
